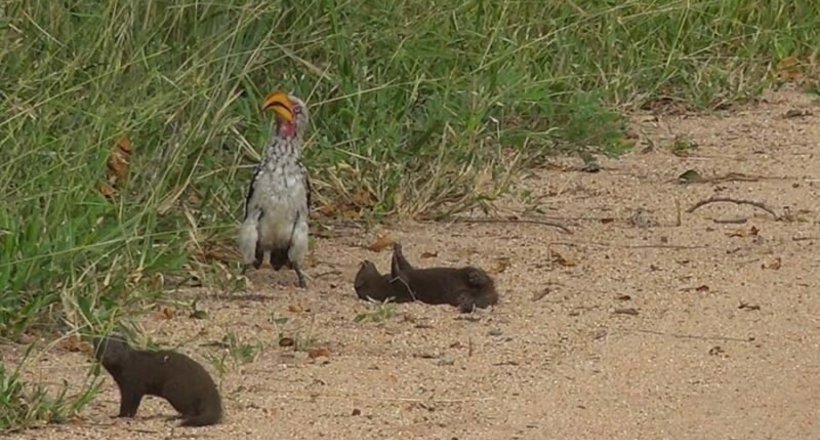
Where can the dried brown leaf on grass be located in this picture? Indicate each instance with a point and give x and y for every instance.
(167, 313)
(117, 167)
(73, 343)
(342, 191)
(224, 251)
(107, 190)
(792, 69)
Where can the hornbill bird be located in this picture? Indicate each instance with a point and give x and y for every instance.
(278, 199)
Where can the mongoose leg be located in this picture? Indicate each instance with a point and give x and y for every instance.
(129, 404)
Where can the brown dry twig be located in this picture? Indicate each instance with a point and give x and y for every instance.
(735, 201)
(688, 336)
(629, 246)
(514, 220)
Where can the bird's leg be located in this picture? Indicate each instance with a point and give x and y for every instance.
(260, 255)
(300, 275)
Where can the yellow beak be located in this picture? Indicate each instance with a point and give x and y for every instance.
(280, 104)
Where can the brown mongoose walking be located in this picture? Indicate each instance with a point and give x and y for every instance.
(180, 380)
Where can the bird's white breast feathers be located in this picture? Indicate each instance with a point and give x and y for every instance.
(277, 206)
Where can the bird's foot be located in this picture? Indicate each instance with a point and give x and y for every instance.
(301, 276)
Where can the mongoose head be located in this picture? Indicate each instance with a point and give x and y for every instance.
(111, 350)
(368, 274)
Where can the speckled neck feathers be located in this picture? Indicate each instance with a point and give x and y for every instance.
(283, 149)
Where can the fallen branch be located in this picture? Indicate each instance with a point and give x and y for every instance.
(735, 201)
(629, 246)
(504, 220)
(686, 336)
(347, 397)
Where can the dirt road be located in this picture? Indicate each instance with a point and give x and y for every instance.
(648, 322)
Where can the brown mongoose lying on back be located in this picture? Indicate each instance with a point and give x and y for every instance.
(180, 380)
(466, 287)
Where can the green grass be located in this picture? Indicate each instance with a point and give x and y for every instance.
(24, 405)
(392, 88)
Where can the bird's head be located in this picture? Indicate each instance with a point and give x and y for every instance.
(290, 112)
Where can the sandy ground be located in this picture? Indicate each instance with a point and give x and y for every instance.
(648, 322)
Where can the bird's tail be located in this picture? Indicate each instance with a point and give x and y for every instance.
(248, 236)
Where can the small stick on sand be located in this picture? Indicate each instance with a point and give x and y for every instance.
(735, 201)
(504, 220)
(688, 336)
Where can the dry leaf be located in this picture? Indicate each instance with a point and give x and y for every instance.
(118, 168)
(118, 163)
(74, 343)
(167, 313)
(773, 265)
(107, 190)
(501, 264)
(796, 113)
(538, 295)
(789, 69)
(194, 197)
(746, 306)
(363, 199)
(314, 353)
(429, 254)
(286, 342)
(381, 243)
(296, 308)
(690, 176)
(349, 213)
(743, 232)
(219, 252)
(560, 259)
(327, 210)
(716, 350)
(119, 160)
(124, 144)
